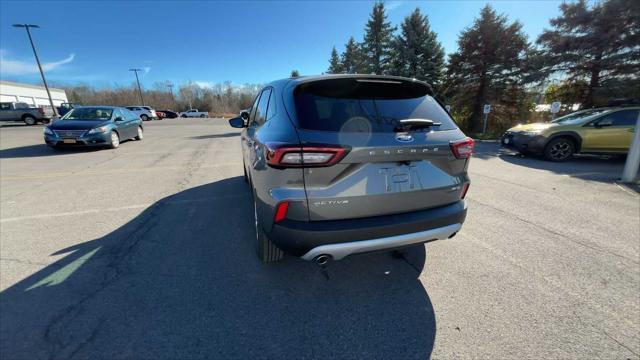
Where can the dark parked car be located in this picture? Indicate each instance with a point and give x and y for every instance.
(169, 114)
(94, 126)
(66, 107)
(345, 164)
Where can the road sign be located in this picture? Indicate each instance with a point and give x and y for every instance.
(555, 107)
(486, 109)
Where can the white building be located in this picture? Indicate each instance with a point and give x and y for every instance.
(31, 94)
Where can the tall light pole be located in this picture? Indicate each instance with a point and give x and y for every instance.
(138, 81)
(173, 100)
(27, 27)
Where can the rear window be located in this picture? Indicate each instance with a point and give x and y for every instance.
(361, 105)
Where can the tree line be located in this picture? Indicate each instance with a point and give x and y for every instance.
(223, 98)
(589, 55)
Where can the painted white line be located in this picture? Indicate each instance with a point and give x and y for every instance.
(129, 207)
(109, 172)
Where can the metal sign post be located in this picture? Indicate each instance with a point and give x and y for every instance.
(555, 108)
(485, 110)
(633, 158)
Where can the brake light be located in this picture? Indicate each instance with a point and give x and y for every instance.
(462, 149)
(281, 211)
(305, 156)
(465, 188)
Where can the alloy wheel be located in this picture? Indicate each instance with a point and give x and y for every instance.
(115, 139)
(560, 150)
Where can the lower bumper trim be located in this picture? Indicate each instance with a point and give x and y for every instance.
(341, 250)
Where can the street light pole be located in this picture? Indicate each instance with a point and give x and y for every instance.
(27, 26)
(138, 81)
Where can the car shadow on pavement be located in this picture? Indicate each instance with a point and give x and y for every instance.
(215, 136)
(39, 150)
(17, 124)
(181, 280)
(586, 167)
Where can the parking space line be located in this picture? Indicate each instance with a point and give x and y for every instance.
(106, 172)
(121, 208)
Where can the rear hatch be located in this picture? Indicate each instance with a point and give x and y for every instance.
(386, 158)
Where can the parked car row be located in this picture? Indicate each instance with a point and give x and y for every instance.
(18, 111)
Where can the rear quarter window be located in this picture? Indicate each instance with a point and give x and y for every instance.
(362, 106)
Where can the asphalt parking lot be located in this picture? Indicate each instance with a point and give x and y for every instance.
(146, 252)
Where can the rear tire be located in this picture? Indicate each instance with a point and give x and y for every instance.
(559, 149)
(267, 251)
(144, 117)
(29, 120)
(202, 116)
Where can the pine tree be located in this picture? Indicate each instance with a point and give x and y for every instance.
(335, 65)
(417, 52)
(295, 73)
(488, 68)
(598, 44)
(378, 40)
(352, 58)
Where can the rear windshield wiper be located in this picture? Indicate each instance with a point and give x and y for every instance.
(410, 124)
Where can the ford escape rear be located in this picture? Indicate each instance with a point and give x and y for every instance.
(346, 164)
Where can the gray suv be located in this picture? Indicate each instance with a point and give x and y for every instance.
(345, 164)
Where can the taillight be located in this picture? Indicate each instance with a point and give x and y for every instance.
(462, 149)
(281, 211)
(465, 188)
(305, 156)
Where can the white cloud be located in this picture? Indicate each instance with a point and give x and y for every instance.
(204, 84)
(18, 67)
(146, 70)
(392, 5)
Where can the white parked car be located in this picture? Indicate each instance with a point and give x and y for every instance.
(194, 113)
(144, 112)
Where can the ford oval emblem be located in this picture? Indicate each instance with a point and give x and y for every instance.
(404, 137)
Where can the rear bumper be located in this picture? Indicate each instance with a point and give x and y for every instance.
(516, 141)
(339, 251)
(340, 238)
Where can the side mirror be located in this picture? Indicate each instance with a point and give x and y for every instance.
(118, 119)
(237, 122)
(604, 122)
(244, 114)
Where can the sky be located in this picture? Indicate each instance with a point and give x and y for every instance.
(95, 43)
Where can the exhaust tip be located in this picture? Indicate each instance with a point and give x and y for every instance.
(322, 259)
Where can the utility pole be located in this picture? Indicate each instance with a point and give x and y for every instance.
(138, 81)
(27, 27)
(170, 86)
